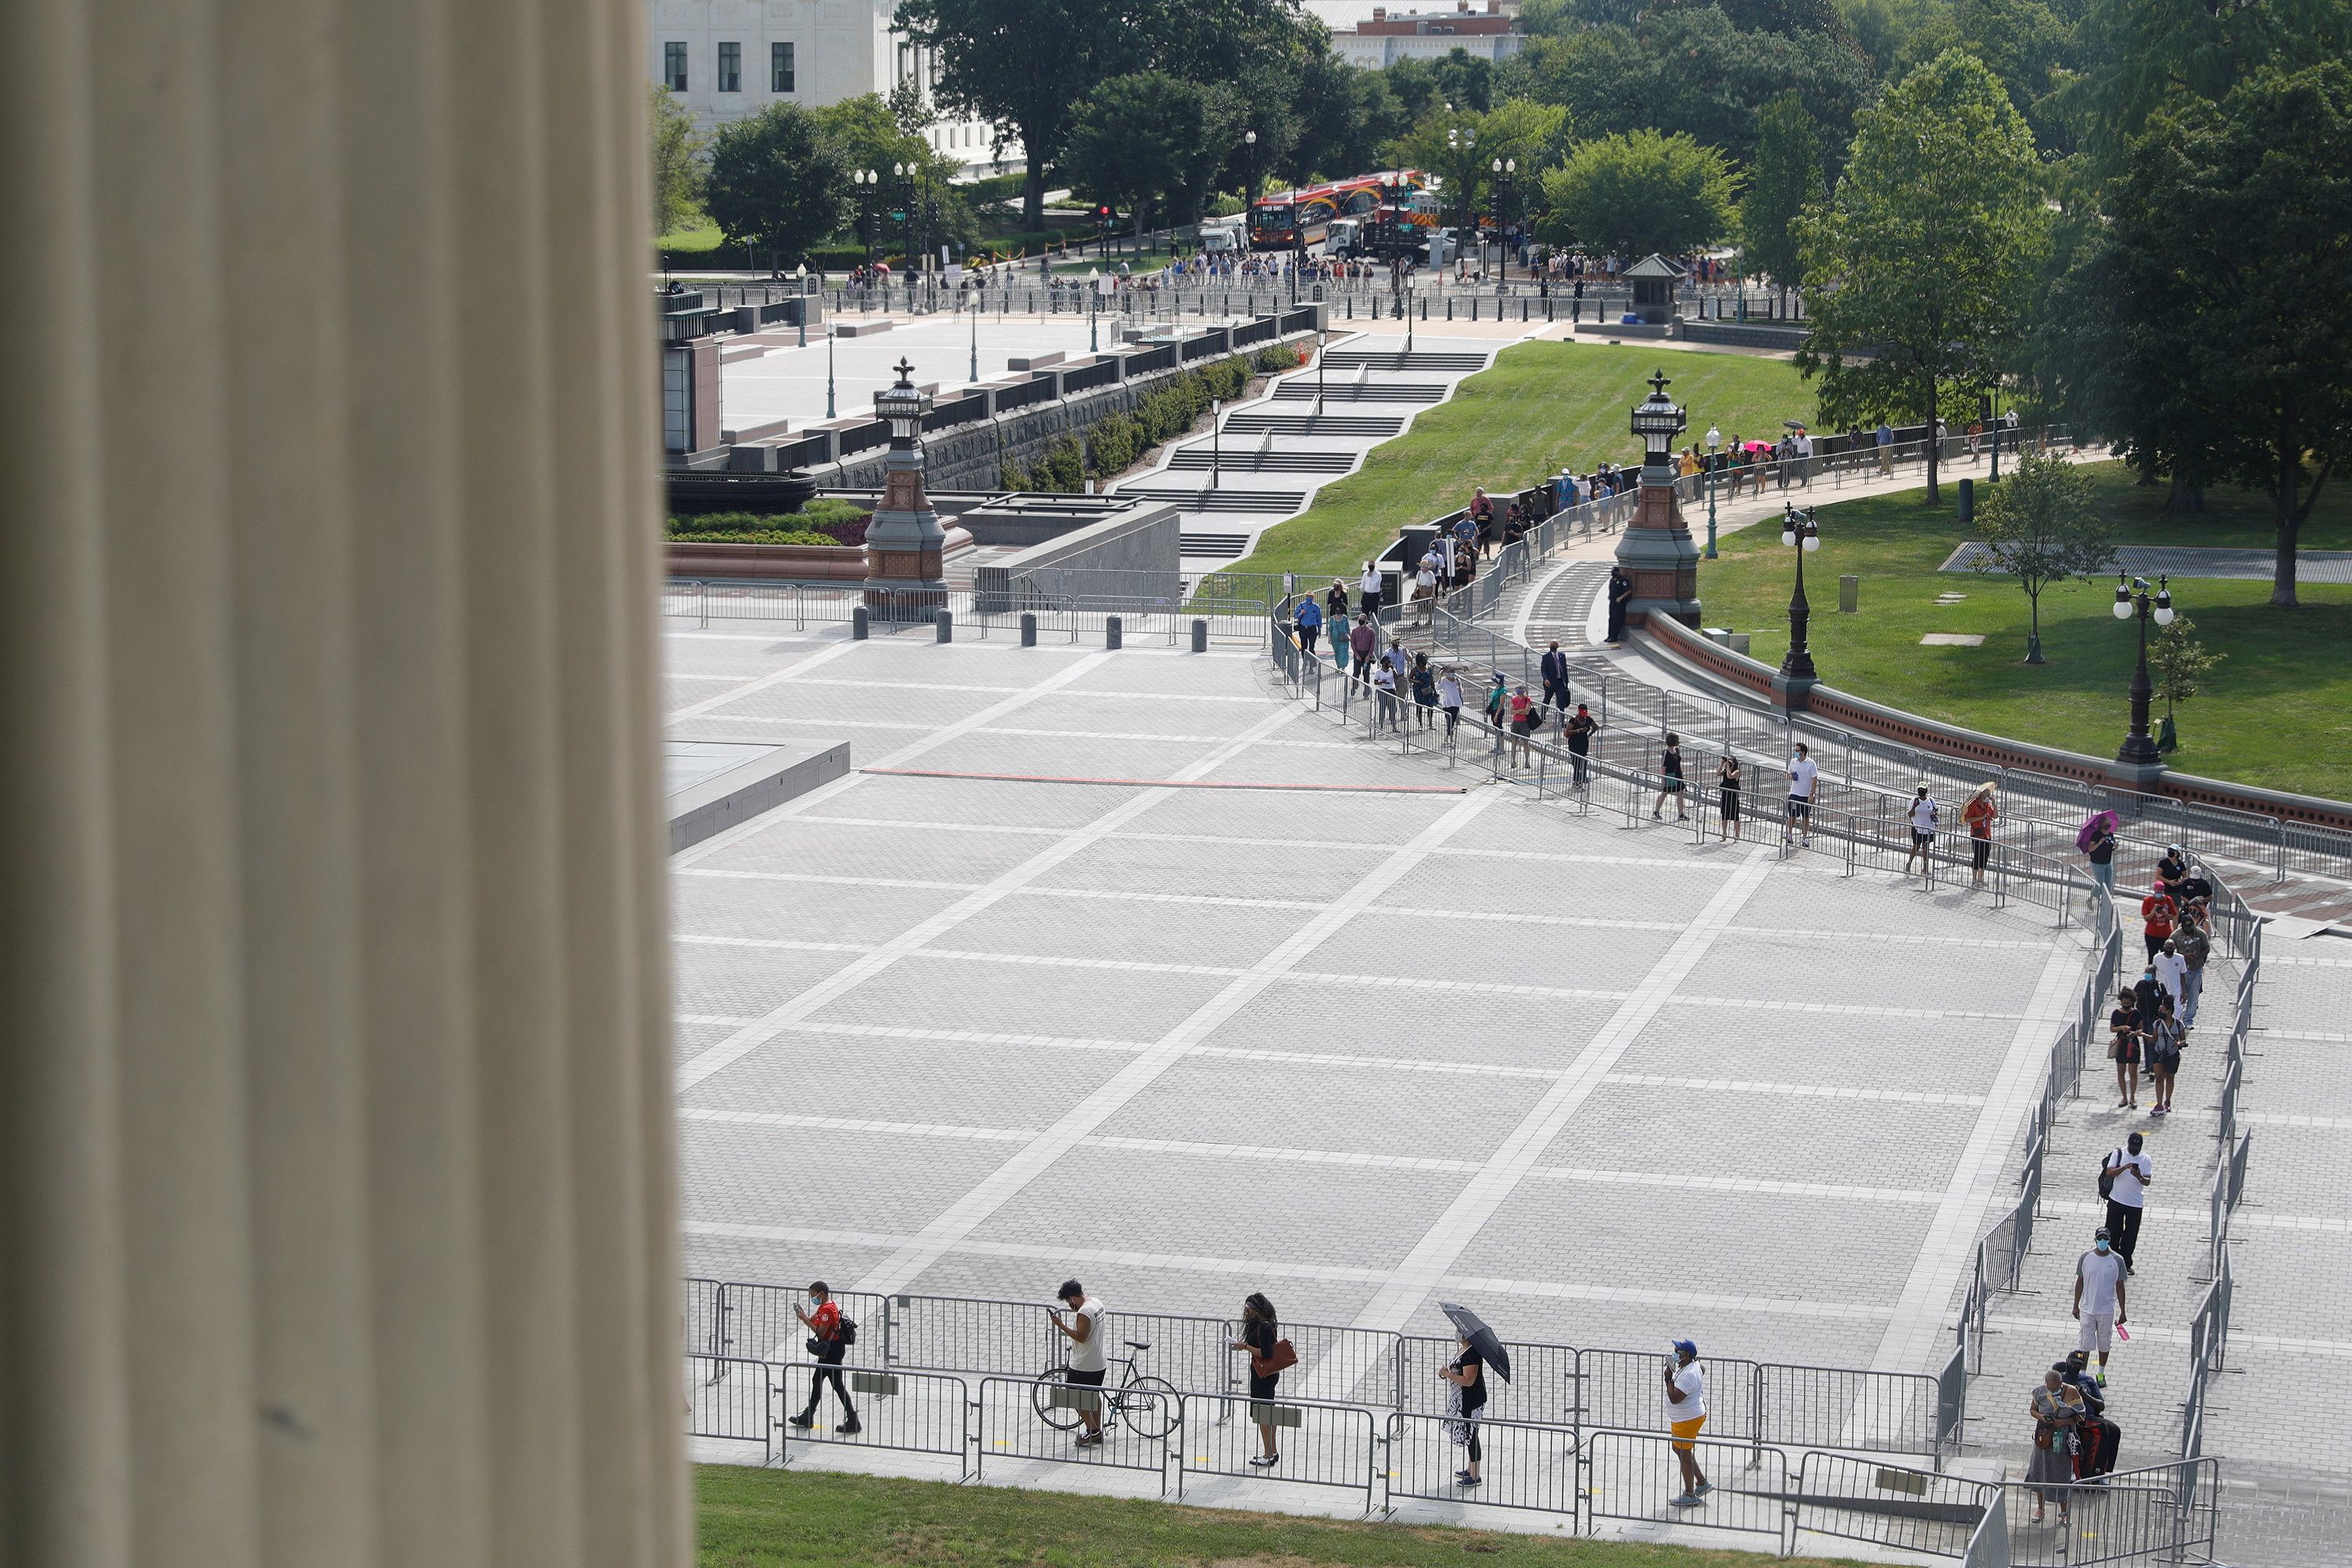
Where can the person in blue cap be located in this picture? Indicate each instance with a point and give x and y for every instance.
(1686, 1413)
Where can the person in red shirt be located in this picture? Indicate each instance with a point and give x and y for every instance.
(2157, 910)
(823, 1320)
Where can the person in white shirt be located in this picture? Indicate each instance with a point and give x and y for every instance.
(1083, 1329)
(2172, 973)
(1686, 1413)
(1802, 773)
(1368, 591)
(1925, 812)
(2099, 1296)
(2132, 1173)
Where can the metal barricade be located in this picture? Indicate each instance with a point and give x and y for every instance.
(1320, 1443)
(1848, 1408)
(1634, 1476)
(756, 1321)
(731, 1398)
(1541, 1387)
(1024, 1419)
(699, 1314)
(910, 1412)
(1343, 1364)
(1622, 1389)
(1522, 1465)
(2162, 1514)
(1889, 1506)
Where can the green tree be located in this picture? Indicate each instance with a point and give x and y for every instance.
(2041, 528)
(1466, 82)
(2229, 238)
(1919, 267)
(1783, 178)
(1150, 138)
(1638, 194)
(1529, 134)
(777, 182)
(677, 164)
(2175, 664)
(1414, 86)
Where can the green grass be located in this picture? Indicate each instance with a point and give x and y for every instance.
(692, 241)
(1544, 404)
(766, 1518)
(2277, 711)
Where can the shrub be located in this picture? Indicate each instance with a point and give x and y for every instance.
(749, 536)
(1277, 356)
(1059, 468)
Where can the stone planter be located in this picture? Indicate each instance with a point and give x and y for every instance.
(784, 563)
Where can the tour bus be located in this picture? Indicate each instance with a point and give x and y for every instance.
(1299, 219)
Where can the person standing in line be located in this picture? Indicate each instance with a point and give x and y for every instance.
(1726, 797)
(1467, 1397)
(1449, 699)
(2194, 939)
(1335, 609)
(1259, 1337)
(2132, 1173)
(827, 1343)
(1621, 595)
(1925, 813)
(2101, 1301)
(1400, 662)
(1310, 623)
(1885, 439)
(1083, 1329)
(1686, 1413)
(1363, 647)
(2156, 912)
(1498, 709)
(1522, 715)
(2051, 1470)
(1803, 774)
(1554, 669)
(1424, 689)
(1582, 727)
(1982, 812)
(2124, 1030)
(2099, 847)
(1368, 592)
(2164, 1056)
(1384, 697)
(2172, 972)
(1670, 779)
(1424, 584)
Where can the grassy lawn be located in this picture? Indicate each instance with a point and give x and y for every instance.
(1543, 405)
(765, 1518)
(692, 240)
(2276, 712)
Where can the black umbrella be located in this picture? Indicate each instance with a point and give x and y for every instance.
(1792, 424)
(1470, 1327)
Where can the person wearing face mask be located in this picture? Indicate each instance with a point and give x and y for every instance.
(2099, 1297)
(829, 1342)
(2130, 1174)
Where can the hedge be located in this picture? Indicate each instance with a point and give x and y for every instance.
(1116, 441)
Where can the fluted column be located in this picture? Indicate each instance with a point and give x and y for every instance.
(337, 1198)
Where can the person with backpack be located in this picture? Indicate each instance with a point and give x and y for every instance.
(1982, 812)
(830, 1336)
(2051, 1470)
(2124, 1181)
(1670, 780)
(2101, 1302)
(1269, 1353)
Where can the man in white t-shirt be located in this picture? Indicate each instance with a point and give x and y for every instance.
(1686, 1413)
(1925, 812)
(1803, 774)
(2099, 1296)
(2133, 1172)
(1083, 1329)
(2172, 973)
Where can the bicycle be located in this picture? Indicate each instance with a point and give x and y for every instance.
(1150, 1405)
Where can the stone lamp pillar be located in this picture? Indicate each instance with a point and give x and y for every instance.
(1655, 549)
(903, 578)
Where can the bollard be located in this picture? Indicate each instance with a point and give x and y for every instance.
(1849, 594)
(1028, 629)
(945, 621)
(1968, 500)
(1111, 631)
(857, 623)
(1199, 637)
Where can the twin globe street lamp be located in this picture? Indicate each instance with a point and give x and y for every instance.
(1713, 445)
(2132, 598)
(1800, 531)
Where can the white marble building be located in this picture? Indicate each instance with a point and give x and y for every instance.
(1486, 29)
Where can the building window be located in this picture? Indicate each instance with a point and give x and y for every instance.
(730, 67)
(779, 68)
(674, 66)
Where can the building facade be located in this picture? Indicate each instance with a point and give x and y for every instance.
(1488, 30)
(728, 59)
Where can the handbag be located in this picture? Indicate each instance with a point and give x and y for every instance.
(2041, 1436)
(1281, 1356)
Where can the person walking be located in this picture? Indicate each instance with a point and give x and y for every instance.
(1886, 439)
(1621, 595)
(1363, 645)
(1727, 798)
(1670, 779)
(1686, 1413)
(1803, 774)
(2156, 912)
(1465, 1398)
(1335, 608)
(1925, 812)
(1449, 699)
(1554, 669)
(1309, 621)
(1582, 727)
(1261, 1340)
(1368, 592)
(2124, 1028)
(2171, 971)
(1982, 812)
(2051, 1470)
(1088, 1361)
(829, 1340)
(2101, 1302)
(2164, 1055)
(1425, 690)
(2130, 1173)
(1400, 662)
(2097, 842)
(1424, 585)
(2193, 938)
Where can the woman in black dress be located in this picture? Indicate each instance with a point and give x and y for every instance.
(1258, 1338)
(1464, 1401)
(1670, 778)
(1727, 795)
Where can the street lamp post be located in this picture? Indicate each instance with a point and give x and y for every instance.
(799, 277)
(1216, 455)
(1249, 192)
(828, 376)
(867, 223)
(1713, 445)
(2131, 595)
(975, 337)
(1799, 530)
(1094, 296)
(1320, 339)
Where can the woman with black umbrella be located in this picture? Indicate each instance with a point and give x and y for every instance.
(1467, 1397)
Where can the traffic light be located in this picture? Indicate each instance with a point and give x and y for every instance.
(931, 213)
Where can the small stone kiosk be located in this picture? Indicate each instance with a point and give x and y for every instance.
(903, 578)
(1654, 280)
(1655, 550)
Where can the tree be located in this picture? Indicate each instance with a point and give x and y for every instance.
(2227, 238)
(1529, 134)
(2040, 528)
(2174, 666)
(1149, 138)
(1918, 268)
(1783, 178)
(1638, 194)
(677, 164)
(777, 182)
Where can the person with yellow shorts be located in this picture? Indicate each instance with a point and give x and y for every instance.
(1686, 1413)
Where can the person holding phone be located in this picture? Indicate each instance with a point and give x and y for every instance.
(1686, 1413)
(1084, 1329)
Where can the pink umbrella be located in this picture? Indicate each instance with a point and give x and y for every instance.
(2107, 819)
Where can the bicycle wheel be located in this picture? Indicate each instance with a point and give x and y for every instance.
(1150, 1406)
(1061, 1418)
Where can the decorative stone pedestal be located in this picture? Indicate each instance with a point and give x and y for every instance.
(1656, 550)
(905, 580)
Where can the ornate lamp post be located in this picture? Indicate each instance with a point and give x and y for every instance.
(1799, 531)
(829, 378)
(867, 223)
(1463, 146)
(1216, 455)
(904, 580)
(1713, 445)
(2131, 595)
(1655, 550)
(975, 335)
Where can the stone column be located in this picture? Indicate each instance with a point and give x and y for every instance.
(905, 577)
(337, 1191)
